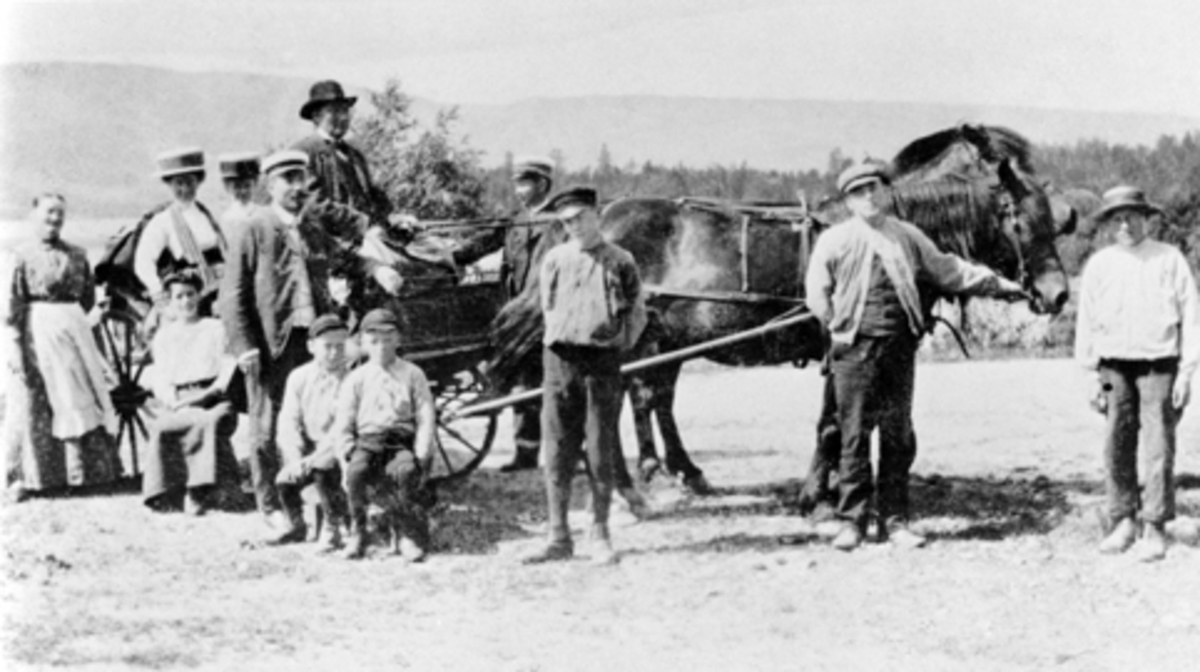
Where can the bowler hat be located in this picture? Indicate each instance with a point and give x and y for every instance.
(322, 93)
(325, 324)
(238, 166)
(533, 166)
(1125, 197)
(380, 319)
(570, 202)
(857, 175)
(181, 161)
(287, 159)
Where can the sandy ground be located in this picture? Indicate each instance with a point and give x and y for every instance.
(1007, 484)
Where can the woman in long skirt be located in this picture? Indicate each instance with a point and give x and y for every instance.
(58, 412)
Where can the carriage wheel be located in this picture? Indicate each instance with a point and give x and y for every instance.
(461, 443)
(121, 344)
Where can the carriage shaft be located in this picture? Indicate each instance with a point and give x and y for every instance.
(690, 352)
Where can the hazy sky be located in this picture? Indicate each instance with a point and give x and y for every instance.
(1086, 54)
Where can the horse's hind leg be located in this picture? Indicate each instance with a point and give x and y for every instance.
(826, 454)
(663, 406)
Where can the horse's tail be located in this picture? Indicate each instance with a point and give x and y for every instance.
(516, 334)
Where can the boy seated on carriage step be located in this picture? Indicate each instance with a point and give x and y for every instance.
(384, 433)
(303, 437)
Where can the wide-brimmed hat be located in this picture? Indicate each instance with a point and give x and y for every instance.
(855, 176)
(239, 165)
(180, 161)
(322, 93)
(380, 319)
(287, 159)
(532, 166)
(1125, 197)
(571, 202)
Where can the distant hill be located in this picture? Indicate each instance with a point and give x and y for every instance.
(93, 130)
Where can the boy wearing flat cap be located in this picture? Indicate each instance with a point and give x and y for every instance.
(384, 433)
(1138, 333)
(862, 284)
(305, 443)
(524, 245)
(594, 311)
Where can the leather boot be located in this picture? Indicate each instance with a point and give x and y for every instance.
(356, 545)
(524, 459)
(556, 550)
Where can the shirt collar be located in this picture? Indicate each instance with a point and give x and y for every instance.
(286, 217)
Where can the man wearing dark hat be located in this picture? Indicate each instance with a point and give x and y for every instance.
(384, 433)
(339, 170)
(862, 285)
(524, 247)
(276, 284)
(1138, 334)
(594, 311)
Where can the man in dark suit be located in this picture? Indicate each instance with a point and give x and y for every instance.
(532, 180)
(276, 283)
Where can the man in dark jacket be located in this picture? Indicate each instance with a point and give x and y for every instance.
(532, 182)
(276, 283)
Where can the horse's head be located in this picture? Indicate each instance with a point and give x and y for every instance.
(1022, 213)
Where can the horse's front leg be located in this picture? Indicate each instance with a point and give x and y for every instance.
(641, 400)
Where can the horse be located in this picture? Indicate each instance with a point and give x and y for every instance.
(969, 188)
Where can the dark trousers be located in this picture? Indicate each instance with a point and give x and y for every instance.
(581, 406)
(826, 456)
(398, 472)
(264, 395)
(873, 382)
(527, 418)
(1139, 398)
(328, 484)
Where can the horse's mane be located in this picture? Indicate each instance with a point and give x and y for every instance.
(994, 144)
(956, 214)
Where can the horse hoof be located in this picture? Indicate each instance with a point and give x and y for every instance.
(648, 468)
(698, 485)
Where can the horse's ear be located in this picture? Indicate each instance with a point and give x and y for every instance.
(1011, 181)
(1065, 217)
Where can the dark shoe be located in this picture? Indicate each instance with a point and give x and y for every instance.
(849, 538)
(555, 551)
(524, 460)
(294, 535)
(1121, 537)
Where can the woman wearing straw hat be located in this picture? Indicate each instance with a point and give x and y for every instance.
(182, 234)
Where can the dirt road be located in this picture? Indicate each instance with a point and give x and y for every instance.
(1007, 484)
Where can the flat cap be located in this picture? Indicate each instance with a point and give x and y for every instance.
(533, 166)
(180, 162)
(288, 159)
(380, 319)
(325, 324)
(857, 175)
(1125, 197)
(239, 165)
(186, 275)
(570, 202)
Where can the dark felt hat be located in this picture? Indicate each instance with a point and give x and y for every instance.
(857, 175)
(569, 202)
(238, 166)
(380, 319)
(180, 161)
(533, 166)
(322, 93)
(1125, 197)
(325, 324)
(287, 159)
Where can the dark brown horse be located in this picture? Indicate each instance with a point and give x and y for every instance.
(969, 188)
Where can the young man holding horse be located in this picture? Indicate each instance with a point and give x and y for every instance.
(594, 310)
(1138, 332)
(862, 283)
